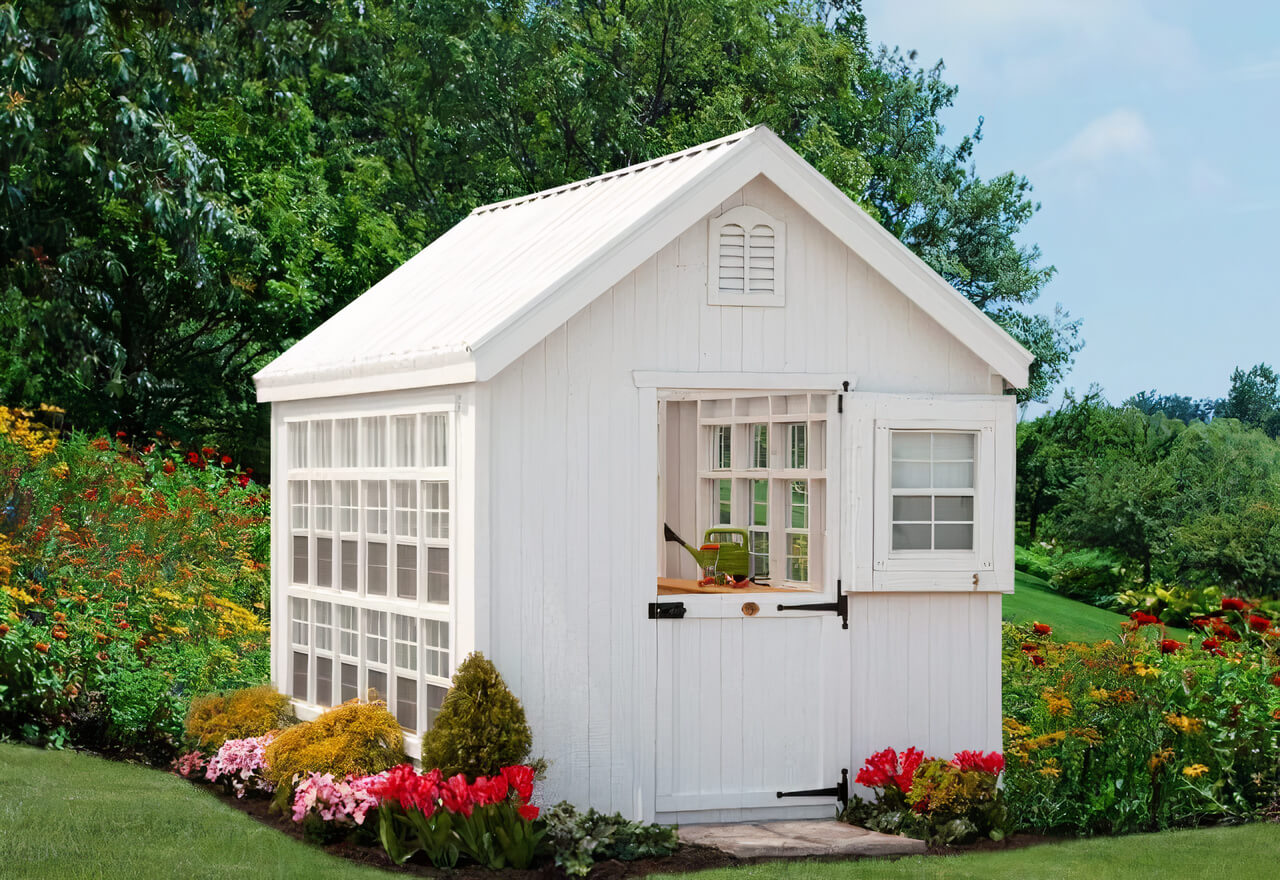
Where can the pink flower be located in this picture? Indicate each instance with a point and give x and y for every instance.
(239, 764)
(344, 802)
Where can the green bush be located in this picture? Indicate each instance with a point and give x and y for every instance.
(1093, 576)
(481, 727)
(354, 738)
(216, 718)
(579, 840)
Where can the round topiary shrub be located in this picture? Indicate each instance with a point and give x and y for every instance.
(481, 727)
(216, 718)
(357, 738)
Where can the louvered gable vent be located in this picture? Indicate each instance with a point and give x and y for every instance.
(745, 263)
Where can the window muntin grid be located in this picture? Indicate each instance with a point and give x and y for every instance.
(932, 491)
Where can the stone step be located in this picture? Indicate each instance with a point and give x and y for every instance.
(798, 839)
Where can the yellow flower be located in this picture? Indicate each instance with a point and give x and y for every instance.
(1099, 693)
(1050, 768)
(1015, 728)
(1044, 740)
(1057, 705)
(1160, 758)
(1194, 770)
(1088, 734)
(1184, 723)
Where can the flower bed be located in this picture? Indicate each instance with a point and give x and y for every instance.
(1147, 733)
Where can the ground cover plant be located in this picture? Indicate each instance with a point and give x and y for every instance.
(1144, 732)
(132, 577)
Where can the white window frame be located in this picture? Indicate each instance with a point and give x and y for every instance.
(748, 217)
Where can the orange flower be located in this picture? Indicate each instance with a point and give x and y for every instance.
(42, 647)
(1042, 629)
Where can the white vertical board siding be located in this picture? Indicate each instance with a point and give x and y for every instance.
(572, 455)
(926, 673)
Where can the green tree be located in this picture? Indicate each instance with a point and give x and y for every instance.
(1254, 398)
(1175, 406)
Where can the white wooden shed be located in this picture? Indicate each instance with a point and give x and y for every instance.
(482, 451)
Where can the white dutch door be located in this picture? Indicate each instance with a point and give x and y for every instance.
(752, 689)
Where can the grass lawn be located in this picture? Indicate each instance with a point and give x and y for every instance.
(1072, 621)
(69, 816)
(1213, 853)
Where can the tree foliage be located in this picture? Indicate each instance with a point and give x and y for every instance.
(188, 188)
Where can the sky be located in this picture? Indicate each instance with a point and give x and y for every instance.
(1151, 134)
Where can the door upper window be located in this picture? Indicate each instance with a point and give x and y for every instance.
(932, 487)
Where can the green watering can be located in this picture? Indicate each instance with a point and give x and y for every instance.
(723, 556)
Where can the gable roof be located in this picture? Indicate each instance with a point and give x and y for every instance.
(482, 294)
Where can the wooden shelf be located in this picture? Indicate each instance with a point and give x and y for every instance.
(676, 587)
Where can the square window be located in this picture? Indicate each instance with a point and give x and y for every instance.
(406, 571)
(438, 575)
(931, 484)
(375, 572)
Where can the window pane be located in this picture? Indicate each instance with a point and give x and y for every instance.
(407, 571)
(298, 509)
(953, 475)
(435, 502)
(348, 505)
(721, 447)
(406, 656)
(297, 444)
(724, 502)
(322, 504)
(759, 502)
(375, 503)
(375, 441)
(324, 562)
(914, 537)
(377, 685)
(911, 446)
(348, 632)
(322, 444)
(953, 447)
(951, 508)
(324, 681)
(349, 567)
(797, 446)
(407, 702)
(912, 508)
(435, 699)
(798, 558)
(438, 574)
(799, 504)
(760, 553)
(404, 437)
(346, 443)
(299, 675)
(952, 536)
(298, 617)
(435, 637)
(324, 625)
(375, 572)
(910, 475)
(759, 446)
(405, 494)
(375, 636)
(435, 440)
(299, 559)
(350, 687)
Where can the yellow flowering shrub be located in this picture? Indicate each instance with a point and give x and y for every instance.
(216, 718)
(359, 738)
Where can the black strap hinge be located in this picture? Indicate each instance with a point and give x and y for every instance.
(839, 791)
(839, 606)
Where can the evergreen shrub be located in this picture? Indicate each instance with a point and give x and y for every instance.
(481, 727)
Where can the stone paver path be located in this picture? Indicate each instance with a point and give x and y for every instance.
(798, 839)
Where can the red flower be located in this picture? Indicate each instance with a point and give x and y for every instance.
(168, 467)
(120, 435)
(1037, 660)
(226, 460)
(192, 458)
(1201, 622)
(1232, 604)
(987, 762)
(1142, 618)
(1168, 646)
(456, 795)
(1030, 648)
(208, 452)
(1258, 623)
(42, 647)
(528, 812)
(1042, 629)
(520, 778)
(1275, 679)
(243, 480)
(100, 444)
(4, 630)
(91, 494)
(886, 766)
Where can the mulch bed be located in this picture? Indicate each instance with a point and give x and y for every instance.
(687, 859)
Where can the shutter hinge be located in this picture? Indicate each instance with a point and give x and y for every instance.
(839, 791)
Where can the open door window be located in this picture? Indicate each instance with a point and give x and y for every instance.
(746, 500)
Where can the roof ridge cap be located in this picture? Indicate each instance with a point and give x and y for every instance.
(621, 172)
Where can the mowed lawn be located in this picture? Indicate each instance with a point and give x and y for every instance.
(67, 816)
(1072, 621)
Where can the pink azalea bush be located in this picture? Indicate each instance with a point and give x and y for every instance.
(239, 764)
(337, 802)
(191, 764)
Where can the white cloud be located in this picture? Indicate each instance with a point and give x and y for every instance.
(1025, 45)
(1119, 136)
